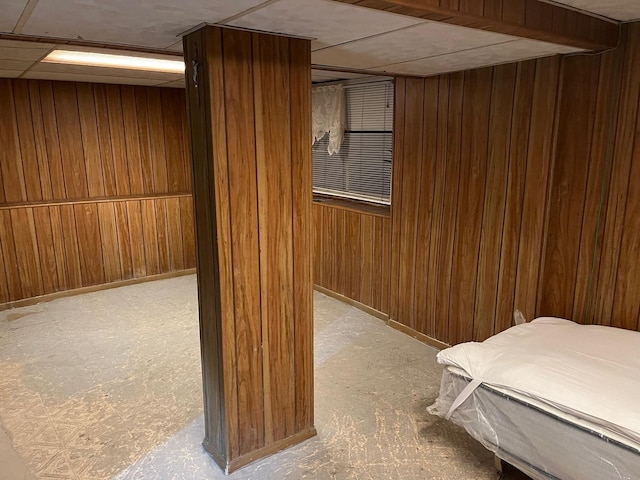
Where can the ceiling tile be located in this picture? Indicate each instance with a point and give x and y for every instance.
(155, 23)
(11, 11)
(617, 9)
(330, 23)
(22, 54)
(10, 73)
(15, 64)
(425, 40)
(26, 44)
(478, 57)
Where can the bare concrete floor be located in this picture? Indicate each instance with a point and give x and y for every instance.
(107, 385)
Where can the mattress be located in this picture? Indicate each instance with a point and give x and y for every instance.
(543, 442)
(528, 393)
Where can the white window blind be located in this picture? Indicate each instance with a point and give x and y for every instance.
(362, 168)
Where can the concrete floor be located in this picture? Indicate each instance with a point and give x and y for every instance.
(107, 385)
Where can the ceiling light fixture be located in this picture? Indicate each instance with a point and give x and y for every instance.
(92, 59)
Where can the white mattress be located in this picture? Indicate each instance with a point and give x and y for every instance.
(540, 442)
(589, 373)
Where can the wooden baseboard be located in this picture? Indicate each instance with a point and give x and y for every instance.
(355, 303)
(432, 342)
(93, 288)
(230, 466)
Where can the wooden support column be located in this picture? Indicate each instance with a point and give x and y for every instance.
(249, 101)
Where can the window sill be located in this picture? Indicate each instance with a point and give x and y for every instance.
(353, 205)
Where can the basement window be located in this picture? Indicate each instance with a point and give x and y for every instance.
(361, 169)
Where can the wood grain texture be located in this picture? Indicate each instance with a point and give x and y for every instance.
(524, 18)
(69, 153)
(475, 128)
(535, 203)
(369, 261)
(250, 129)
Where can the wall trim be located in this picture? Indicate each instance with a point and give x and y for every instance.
(432, 342)
(78, 201)
(361, 306)
(26, 302)
(243, 460)
(421, 337)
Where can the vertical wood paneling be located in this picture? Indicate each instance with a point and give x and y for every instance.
(40, 142)
(187, 228)
(27, 256)
(136, 233)
(273, 147)
(425, 203)
(150, 234)
(452, 182)
(69, 144)
(109, 241)
(27, 144)
(70, 242)
(124, 240)
(538, 175)
(70, 135)
(104, 140)
(89, 243)
(239, 109)
(563, 242)
(534, 206)
(4, 287)
(473, 168)
(301, 183)
(173, 132)
(621, 161)
(144, 136)
(90, 140)
(396, 179)
(46, 250)
(132, 141)
(520, 128)
(410, 191)
(157, 145)
(117, 138)
(10, 156)
(366, 258)
(494, 200)
(58, 246)
(8, 245)
(250, 125)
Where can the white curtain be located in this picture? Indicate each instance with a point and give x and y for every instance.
(329, 115)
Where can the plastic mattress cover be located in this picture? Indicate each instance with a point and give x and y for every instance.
(585, 375)
(541, 441)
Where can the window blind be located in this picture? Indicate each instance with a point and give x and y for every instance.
(362, 167)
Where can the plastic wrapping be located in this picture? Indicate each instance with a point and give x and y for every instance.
(518, 318)
(541, 442)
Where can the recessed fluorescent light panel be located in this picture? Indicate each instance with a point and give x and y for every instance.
(92, 59)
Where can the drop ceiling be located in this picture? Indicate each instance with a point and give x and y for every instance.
(343, 35)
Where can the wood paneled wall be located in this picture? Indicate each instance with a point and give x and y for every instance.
(351, 254)
(251, 127)
(471, 172)
(94, 185)
(516, 187)
(592, 254)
